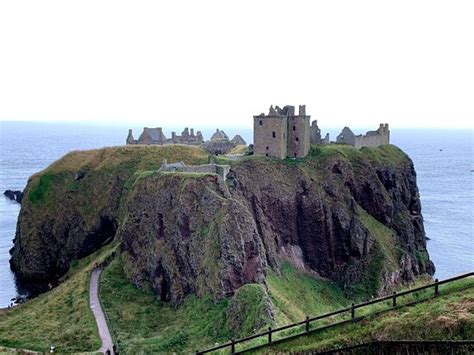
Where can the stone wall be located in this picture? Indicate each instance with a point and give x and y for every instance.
(270, 136)
(221, 170)
(218, 146)
(315, 134)
(374, 138)
(370, 139)
(298, 136)
(281, 133)
(346, 136)
(156, 136)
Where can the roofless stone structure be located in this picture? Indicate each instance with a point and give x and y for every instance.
(282, 133)
(156, 136)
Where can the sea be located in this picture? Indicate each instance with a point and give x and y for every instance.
(444, 162)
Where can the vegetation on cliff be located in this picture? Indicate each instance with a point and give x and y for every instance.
(73, 207)
(143, 323)
(448, 317)
(60, 317)
(280, 239)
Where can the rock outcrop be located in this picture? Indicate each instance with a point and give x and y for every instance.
(352, 216)
(187, 235)
(14, 195)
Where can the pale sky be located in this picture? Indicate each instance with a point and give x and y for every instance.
(218, 63)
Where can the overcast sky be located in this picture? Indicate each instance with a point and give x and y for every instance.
(217, 63)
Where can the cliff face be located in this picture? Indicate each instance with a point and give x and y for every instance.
(72, 208)
(184, 233)
(349, 215)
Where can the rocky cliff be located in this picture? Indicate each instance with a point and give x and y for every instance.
(349, 215)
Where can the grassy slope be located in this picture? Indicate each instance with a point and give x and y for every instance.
(123, 164)
(448, 317)
(144, 324)
(61, 317)
(296, 295)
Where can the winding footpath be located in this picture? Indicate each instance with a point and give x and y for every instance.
(99, 315)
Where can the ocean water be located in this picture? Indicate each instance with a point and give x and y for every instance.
(444, 161)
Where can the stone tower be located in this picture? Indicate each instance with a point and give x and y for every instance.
(298, 134)
(270, 134)
(281, 133)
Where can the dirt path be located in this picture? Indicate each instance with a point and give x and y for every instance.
(99, 316)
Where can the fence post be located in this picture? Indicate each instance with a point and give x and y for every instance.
(353, 311)
(436, 288)
(394, 302)
(307, 324)
(269, 335)
(232, 346)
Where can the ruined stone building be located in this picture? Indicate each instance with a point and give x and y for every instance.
(156, 136)
(220, 143)
(238, 140)
(370, 139)
(282, 133)
(315, 134)
(211, 168)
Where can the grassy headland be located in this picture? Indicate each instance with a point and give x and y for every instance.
(140, 322)
(60, 317)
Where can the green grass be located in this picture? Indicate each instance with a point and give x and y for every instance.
(248, 311)
(385, 154)
(297, 295)
(384, 237)
(144, 324)
(61, 316)
(110, 173)
(448, 317)
(38, 193)
(384, 259)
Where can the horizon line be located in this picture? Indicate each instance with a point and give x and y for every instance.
(134, 125)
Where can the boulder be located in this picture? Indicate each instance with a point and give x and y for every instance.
(14, 195)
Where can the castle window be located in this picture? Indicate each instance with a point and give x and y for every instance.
(267, 148)
(294, 128)
(297, 139)
(266, 155)
(261, 122)
(273, 134)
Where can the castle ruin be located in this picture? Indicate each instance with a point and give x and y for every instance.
(370, 139)
(282, 133)
(315, 134)
(211, 168)
(218, 144)
(156, 136)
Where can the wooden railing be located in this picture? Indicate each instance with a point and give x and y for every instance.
(269, 334)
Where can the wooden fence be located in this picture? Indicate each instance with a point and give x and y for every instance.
(269, 334)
